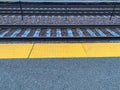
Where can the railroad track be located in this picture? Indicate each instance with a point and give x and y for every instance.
(60, 32)
(60, 5)
(59, 12)
(59, 9)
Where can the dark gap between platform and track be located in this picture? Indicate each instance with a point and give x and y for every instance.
(75, 39)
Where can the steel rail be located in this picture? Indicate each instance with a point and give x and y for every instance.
(59, 12)
(59, 5)
(58, 26)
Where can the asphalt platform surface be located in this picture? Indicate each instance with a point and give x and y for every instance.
(60, 74)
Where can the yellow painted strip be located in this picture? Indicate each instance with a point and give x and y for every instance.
(57, 51)
(15, 50)
(60, 50)
(102, 49)
(72, 50)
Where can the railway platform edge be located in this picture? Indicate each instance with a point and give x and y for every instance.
(61, 50)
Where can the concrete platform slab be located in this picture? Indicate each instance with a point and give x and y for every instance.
(60, 74)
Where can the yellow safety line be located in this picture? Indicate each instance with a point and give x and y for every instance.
(102, 49)
(15, 50)
(60, 50)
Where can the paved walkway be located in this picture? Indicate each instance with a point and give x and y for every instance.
(60, 74)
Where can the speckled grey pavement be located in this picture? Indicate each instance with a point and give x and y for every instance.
(60, 74)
